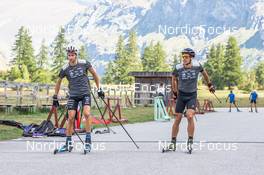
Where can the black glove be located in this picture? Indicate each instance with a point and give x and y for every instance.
(211, 87)
(55, 101)
(101, 93)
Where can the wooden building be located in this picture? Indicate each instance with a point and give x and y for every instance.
(147, 83)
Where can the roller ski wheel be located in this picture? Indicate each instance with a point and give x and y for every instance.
(171, 147)
(189, 145)
(63, 149)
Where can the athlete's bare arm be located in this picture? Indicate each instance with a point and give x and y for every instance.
(206, 77)
(57, 86)
(95, 76)
(174, 84)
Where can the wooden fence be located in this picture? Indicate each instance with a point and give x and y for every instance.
(32, 95)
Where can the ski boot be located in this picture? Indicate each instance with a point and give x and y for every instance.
(170, 147)
(88, 143)
(189, 145)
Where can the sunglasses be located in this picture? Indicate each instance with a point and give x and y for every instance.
(186, 56)
(71, 55)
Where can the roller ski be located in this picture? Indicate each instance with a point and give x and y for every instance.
(64, 148)
(170, 147)
(189, 145)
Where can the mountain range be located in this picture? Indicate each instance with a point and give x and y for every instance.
(174, 23)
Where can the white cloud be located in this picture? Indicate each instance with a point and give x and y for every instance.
(42, 17)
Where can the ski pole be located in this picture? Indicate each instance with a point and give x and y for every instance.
(120, 123)
(101, 114)
(217, 98)
(100, 109)
(112, 114)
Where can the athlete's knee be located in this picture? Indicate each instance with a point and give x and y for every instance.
(71, 117)
(86, 113)
(178, 118)
(190, 114)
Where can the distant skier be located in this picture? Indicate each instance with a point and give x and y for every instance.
(184, 87)
(232, 100)
(253, 99)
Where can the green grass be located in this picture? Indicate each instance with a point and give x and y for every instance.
(7, 132)
(242, 97)
(134, 115)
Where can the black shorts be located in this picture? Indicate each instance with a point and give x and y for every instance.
(232, 102)
(187, 100)
(253, 101)
(73, 102)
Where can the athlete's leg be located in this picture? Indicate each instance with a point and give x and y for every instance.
(70, 123)
(190, 115)
(236, 106)
(180, 106)
(255, 103)
(86, 114)
(86, 101)
(175, 126)
(72, 106)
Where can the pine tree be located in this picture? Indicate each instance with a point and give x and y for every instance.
(29, 59)
(176, 60)
(148, 58)
(59, 52)
(154, 58)
(43, 76)
(83, 54)
(25, 73)
(214, 65)
(211, 57)
(18, 47)
(133, 57)
(109, 74)
(23, 53)
(233, 61)
(160, 56)
(260, 74)
(121, 63)
(218, 67)
(15, 73)
(42, 57)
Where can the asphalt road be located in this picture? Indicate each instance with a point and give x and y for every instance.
(225, 143)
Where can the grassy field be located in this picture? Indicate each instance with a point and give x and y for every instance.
(138, 114)
(242, 97)
(134, 115)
